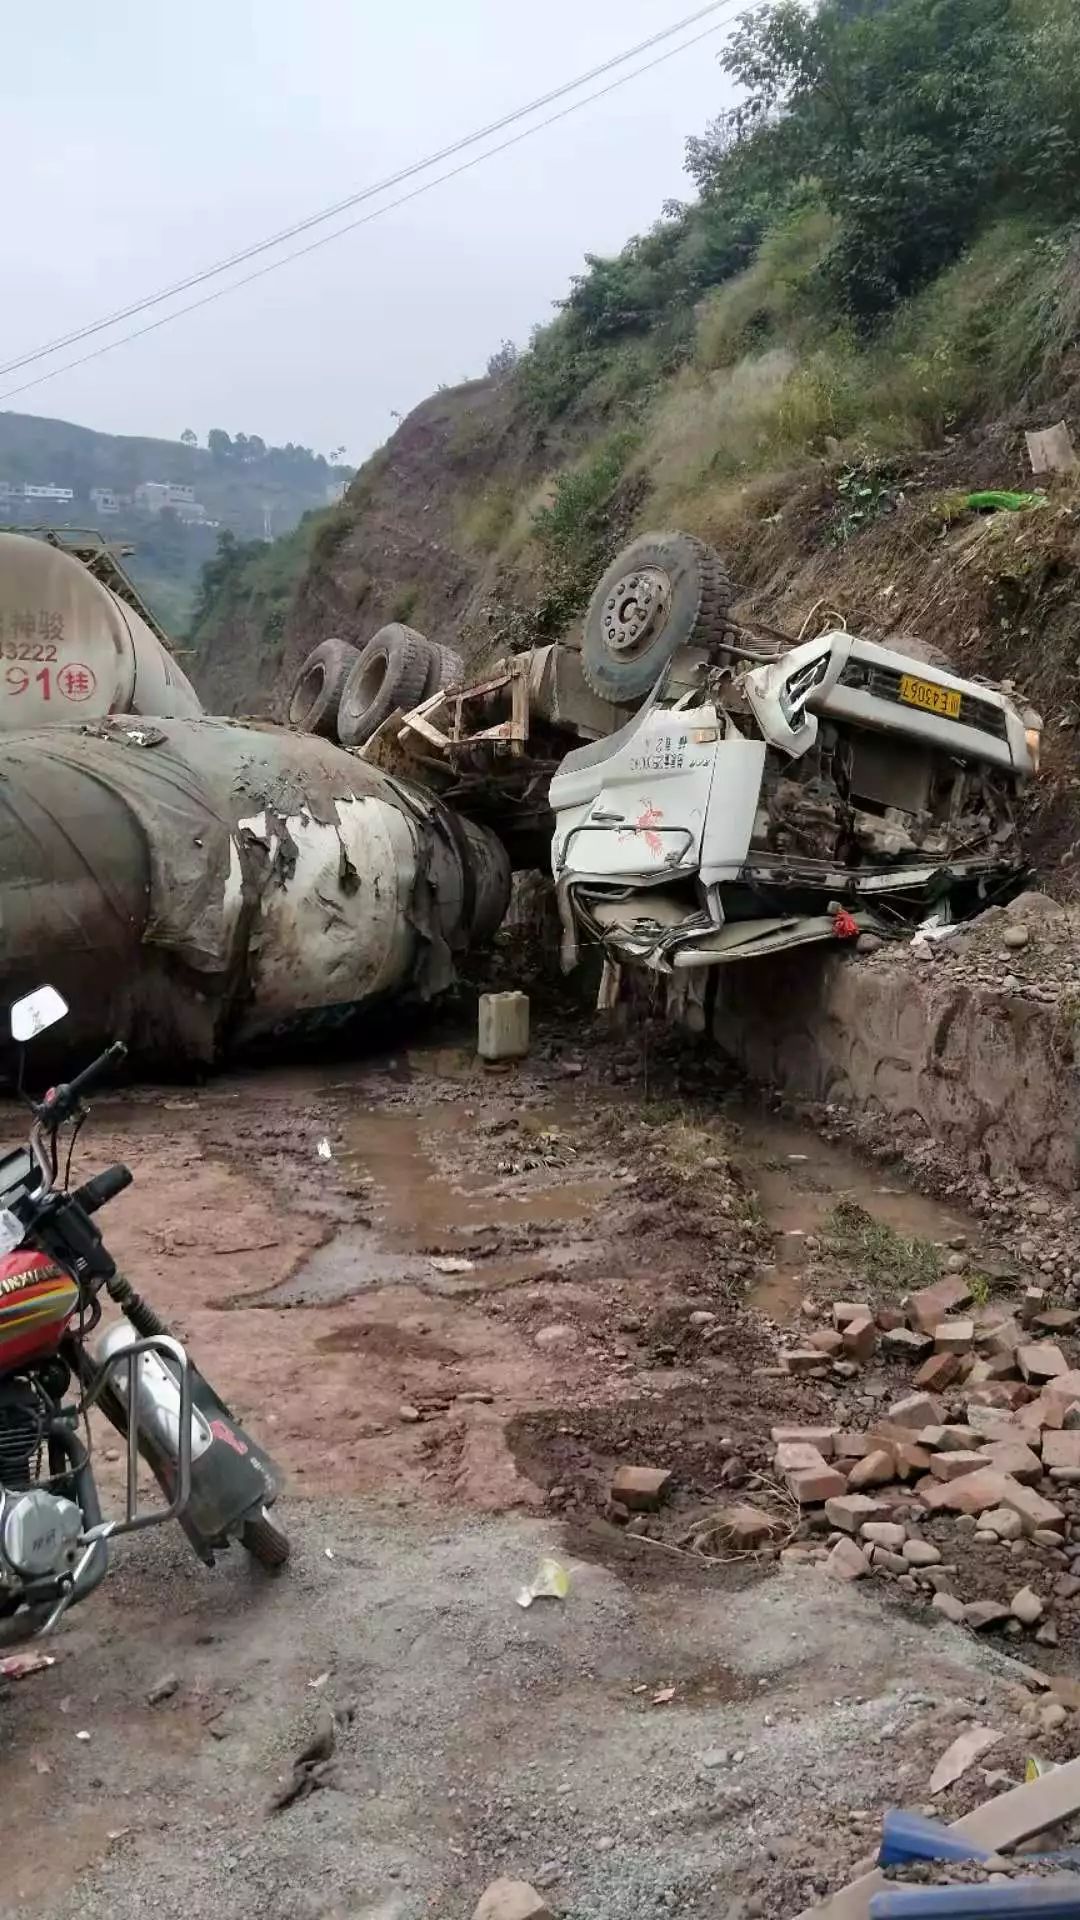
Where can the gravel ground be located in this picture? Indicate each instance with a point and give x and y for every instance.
(484, 1739)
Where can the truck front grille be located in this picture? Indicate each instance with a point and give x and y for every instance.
(884, 684)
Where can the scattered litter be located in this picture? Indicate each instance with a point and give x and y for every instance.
(82, 1734)
(319, 1681)
(552, 1582)
(1051, 450)
(163, 1689)
(324, 1149)
(1034, 1768)
(661, 1698)
(117, 1833)
(963, 1753)
(16, 1666)
(329, 1552)
(993, 501)
(451, 1263)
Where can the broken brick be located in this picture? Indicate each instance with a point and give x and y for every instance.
(938, 1372)
(853, 1446)
(905, 1342)
(826, 1341)
(640, 1488)
(910, 1458)
(793, 1456)
(847, 1561)
(873, 1470)
(1041, 1360)
(744, 1527)
(860, 1337)
(932, 1304)
(849, 1510)
(1011, 1456)
(1056, 1319)
(972, 1493)
(811, 1485)
(1061, 1449)
(917, 1410)
(804, 1360)
(823, 1438)
(890, 1320)
(844, 1311)
(1057, 1396)
(1002, 1394)
(954, 1336)
(953, 1466)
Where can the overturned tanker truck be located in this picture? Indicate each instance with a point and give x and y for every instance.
(195, 886)
(704, 791)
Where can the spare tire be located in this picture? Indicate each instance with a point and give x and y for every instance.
(318, 687)
(665, 591)
(447, 669)
(392, 671)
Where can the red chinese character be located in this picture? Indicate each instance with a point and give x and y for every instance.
(76, 682)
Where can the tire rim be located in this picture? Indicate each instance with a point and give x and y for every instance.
(636, 610)
(371, 683)
(311, 686)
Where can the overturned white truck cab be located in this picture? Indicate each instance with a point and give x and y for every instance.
(710, 790)
(740, 816)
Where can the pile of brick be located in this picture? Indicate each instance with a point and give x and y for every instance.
(990, 1434)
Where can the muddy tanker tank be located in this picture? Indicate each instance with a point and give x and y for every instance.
(200, 887)
(72, 649)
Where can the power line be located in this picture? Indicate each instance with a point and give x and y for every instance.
(355, 199)
(389, 206)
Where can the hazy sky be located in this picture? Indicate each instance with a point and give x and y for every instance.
(147, 139)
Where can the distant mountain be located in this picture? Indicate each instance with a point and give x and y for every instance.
(168, 500)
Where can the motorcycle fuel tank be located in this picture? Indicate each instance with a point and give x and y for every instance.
(37, 1299)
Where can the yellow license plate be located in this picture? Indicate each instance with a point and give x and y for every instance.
(928, 695)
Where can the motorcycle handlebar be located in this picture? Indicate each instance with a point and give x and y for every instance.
(94, 1193)
(60, 1102)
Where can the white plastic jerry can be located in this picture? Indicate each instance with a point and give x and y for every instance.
(503, 1027)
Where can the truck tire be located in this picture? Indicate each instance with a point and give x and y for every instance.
(663, 592)
(447, 669)
(318, 687)
(391, 672)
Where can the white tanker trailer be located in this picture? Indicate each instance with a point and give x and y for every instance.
(72, 647)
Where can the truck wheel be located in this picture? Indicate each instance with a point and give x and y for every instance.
(447, 669)
(391, 672)
(317, 689)
(665, 591)
(264, 1541)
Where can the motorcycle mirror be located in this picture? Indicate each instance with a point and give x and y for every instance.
(36, 1011)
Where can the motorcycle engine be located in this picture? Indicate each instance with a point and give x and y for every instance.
(39, 1530)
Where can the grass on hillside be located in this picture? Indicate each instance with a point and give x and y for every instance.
(886, 1259)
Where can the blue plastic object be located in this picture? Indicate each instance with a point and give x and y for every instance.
(1021, 1900)
(911, 1836)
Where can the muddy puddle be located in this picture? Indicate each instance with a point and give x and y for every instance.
(800, 1180)
(475, 1232)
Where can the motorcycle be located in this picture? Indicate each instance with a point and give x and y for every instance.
(54, 1269)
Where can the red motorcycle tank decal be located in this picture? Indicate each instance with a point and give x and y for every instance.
(37, 1298)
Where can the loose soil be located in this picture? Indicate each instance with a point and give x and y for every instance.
(453, 1302)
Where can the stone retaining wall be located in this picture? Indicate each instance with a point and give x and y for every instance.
(990, 1074)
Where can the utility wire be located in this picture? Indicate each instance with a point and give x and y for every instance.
(355, 199)
(388, 206)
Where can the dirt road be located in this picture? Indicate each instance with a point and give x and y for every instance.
(494, 1290)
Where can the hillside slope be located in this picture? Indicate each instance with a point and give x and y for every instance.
(790, 366)
(242, 484)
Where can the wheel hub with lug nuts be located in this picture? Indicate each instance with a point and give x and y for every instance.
(636, 609)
